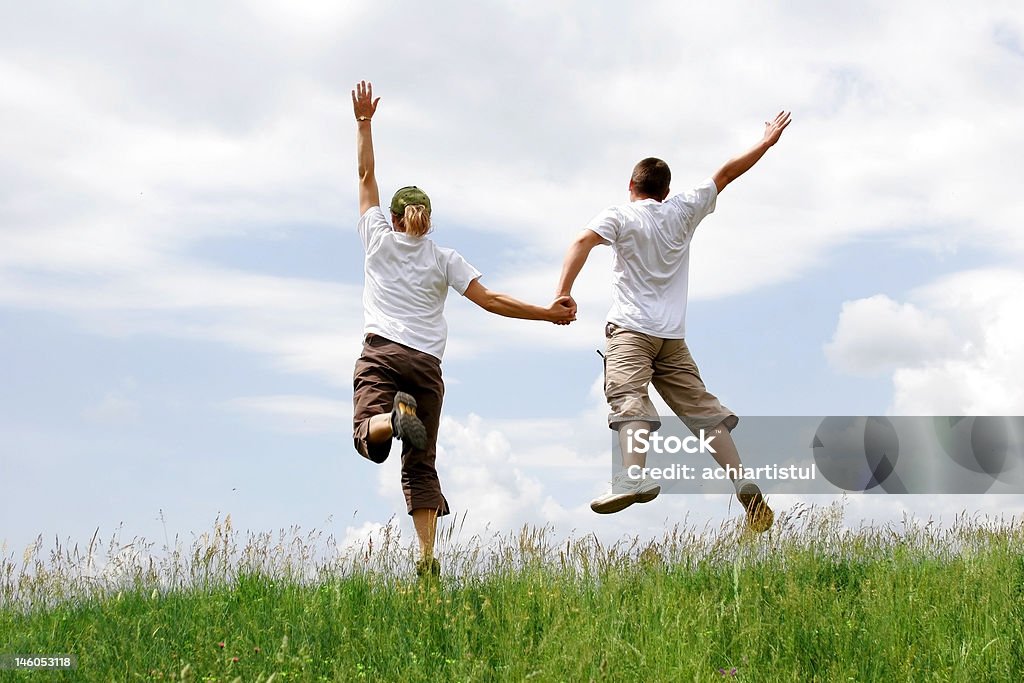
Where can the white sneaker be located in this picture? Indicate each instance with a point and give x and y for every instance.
(625, 491)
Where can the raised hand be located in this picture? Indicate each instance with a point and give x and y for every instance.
(364, 107)
(563, 310)
(363, 103)
(773, 129)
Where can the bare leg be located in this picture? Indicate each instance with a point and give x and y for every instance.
(725, 453)
(759, 516)
(629, 457)
(380, 428)
(425, 521)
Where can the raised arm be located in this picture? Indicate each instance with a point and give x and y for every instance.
(737, 166)
(364, 107)
(562, 310)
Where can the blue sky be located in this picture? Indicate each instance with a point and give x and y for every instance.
(180, 277)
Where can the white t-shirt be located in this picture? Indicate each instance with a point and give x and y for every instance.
(406, 283)
(651, 265)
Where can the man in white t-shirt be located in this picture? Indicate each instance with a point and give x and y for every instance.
(397, 384)
(650, 238)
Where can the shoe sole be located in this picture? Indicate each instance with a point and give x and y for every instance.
(410, 427)
(759, 516)
(648, 495)
(619, 504)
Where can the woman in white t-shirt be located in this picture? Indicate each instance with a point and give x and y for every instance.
(397, 388)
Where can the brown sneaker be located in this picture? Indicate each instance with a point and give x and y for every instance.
(759, 516)
(428, 568)
(404, 423)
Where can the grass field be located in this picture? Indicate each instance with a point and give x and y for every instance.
(809, 601)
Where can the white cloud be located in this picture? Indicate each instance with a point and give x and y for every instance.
(357, 539)
(479, 476)
(955, 351)
(877, 334)
(306, 326)
(296, 414)
(987, 309)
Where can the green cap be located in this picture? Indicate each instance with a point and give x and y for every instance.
(408, 196)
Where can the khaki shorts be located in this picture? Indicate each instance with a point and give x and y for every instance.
(634, 360)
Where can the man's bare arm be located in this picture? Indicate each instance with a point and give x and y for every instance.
(575, 258)
(364, 106)
(737, 166)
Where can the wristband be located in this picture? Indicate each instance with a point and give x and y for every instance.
(362, 118)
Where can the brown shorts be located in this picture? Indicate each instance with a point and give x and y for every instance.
(385, 368)
(634, 360)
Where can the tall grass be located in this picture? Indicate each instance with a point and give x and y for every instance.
(809, 601)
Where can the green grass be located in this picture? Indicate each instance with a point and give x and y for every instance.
(807, 602)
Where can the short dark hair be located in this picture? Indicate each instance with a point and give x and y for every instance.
(651, 178)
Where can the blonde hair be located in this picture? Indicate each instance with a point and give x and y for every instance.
(416, 220)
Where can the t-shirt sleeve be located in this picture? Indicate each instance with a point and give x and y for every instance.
(372, 226)
(695, 204)
(459, 272)
(607, 225)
